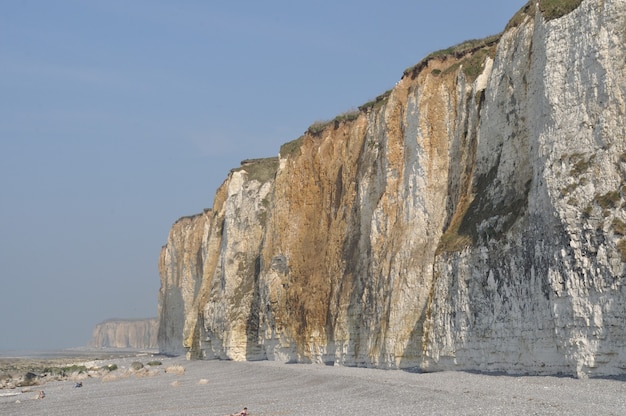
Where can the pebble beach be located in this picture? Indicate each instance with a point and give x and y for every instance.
(179, 387)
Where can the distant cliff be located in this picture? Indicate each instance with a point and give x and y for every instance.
(126, 333)
(470, 218)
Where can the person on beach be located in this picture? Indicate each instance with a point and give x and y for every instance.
(41, 394)
(244, 412)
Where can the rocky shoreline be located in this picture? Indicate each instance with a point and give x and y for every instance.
(216, 387)
(28, 371)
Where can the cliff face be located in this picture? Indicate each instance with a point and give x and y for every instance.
(126, 333)
(471, 218)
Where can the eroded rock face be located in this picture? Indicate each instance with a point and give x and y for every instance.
(180, 265)
(126, 333)
(472, 218)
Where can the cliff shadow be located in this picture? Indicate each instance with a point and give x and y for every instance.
(412, 363)
(171, 323)
(254, 350)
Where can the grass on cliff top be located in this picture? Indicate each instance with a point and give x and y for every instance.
(477, 49)
(319, 126)
(474, 64)
(191, 217)
(377, 102)
(291, 148)
(527, 10)
(261, 170)
(551, 9)
(474, 50)
(472, 67)
(458, 51)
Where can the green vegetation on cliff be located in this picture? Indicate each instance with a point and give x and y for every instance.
(481, 218)
(290, 148)
(471, 52)
(551, 9)
(261, 170)
(319, 126)
(377, 102)
(474, 64)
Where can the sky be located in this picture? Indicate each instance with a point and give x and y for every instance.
(117, 117)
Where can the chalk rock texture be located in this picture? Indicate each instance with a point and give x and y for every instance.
(471, 218)
(126, 333)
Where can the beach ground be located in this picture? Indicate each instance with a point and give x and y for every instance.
(271, 388)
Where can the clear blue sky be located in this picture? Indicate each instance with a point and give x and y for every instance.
(119, 117)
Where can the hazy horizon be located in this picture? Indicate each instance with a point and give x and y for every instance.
(118, 118)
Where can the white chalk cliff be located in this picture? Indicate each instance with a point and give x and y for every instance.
(472, 218)
(126, 333)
